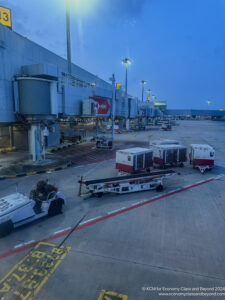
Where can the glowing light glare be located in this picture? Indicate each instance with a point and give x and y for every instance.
(83, 7)
(126, 61)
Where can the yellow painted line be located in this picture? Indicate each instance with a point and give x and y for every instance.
(31, 173)
(50, 170)
(11, 176)
(64, 167)
(106, 295)
(28, 276)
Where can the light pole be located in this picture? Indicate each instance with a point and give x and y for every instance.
(143, 82)
(113, 80)
(149, 92)
(68, 36)
(126, 62)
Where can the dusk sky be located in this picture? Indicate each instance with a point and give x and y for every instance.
(177, 46)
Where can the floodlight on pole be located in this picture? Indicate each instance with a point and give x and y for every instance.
(149, 92)
(68, 35)
(143, 82)
(126, 62)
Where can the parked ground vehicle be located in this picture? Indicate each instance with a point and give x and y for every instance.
(134, 159)
(202, 157)
(166, 126)
(124, 184)
(169, 155)
(104, 143)
(18, 209)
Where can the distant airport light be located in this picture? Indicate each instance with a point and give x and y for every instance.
(149, 92)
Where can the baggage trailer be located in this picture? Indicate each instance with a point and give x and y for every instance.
(202, 157)
(124, 184)
(134, 159)
(169, 155)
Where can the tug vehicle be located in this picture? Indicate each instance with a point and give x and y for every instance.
(104, 143)
(17, 209)
(202, 157)
(166, 126)
(124, 184)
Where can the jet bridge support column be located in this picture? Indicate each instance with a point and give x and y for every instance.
(36, 138)
(127, 124)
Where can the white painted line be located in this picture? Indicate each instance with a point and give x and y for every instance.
(186, 186)
(220, 176)
(90, 220)
(202, 181)
(30, 242)
(18, 246)
(24, 244)
(116, 210)
(62, 230)
(136, 203)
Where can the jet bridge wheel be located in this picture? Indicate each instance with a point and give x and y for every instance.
(159, 188)
(6, 228)
(98, 195)
(56, 207)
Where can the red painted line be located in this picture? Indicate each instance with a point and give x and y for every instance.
(53, 237)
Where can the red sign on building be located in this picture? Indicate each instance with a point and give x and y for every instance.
(101, 106)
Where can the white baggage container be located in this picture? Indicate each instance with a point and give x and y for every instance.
(202, 156)
(169, 155)
(134, 159)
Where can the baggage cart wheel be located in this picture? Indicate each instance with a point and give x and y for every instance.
(56, 207)
(159, 188)
(99, 195)
(6, 228)
(202, 170)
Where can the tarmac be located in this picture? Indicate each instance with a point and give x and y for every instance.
(146, 245)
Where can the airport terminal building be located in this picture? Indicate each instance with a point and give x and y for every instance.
(37, 93)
